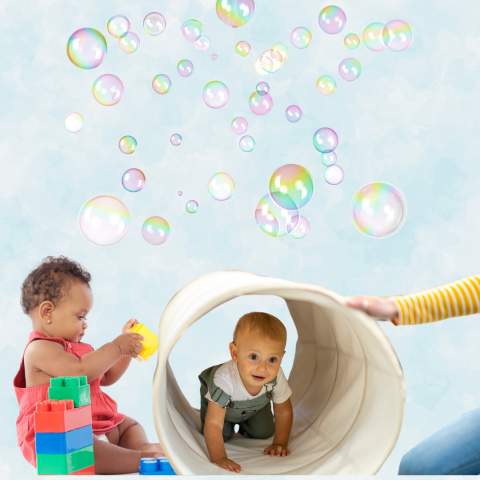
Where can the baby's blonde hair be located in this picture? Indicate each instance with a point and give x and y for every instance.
(264, 323)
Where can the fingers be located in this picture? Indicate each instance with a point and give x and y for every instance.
(137, 336)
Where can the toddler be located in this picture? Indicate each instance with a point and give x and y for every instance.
(57, 297)
(239, 391)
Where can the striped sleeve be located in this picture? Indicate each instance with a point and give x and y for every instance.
(455, 299)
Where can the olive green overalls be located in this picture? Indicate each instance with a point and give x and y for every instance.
(254, 417)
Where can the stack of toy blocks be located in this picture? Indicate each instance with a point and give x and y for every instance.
(63, 429)
(152, 466)
(150, 344)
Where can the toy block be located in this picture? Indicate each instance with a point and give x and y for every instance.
(75, 388)
(85, 471)
(150, 344)
(54, 416)
(64, 442)
(152, 466)
(64, 464)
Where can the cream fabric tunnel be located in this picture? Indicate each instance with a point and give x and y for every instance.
(348, 387)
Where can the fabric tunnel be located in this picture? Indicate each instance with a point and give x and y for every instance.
(348, 386)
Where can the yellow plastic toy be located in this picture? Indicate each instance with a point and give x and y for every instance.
(150, 344)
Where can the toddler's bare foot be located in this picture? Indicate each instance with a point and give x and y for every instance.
(152, 448)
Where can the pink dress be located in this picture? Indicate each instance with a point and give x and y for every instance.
(104, 409)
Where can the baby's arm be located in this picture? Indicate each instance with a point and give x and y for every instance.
(214, 439)
(283, 425)
(51, 358)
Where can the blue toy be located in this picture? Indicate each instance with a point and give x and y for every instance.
(152, 466)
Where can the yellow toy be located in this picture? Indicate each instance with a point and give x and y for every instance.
(150, 344)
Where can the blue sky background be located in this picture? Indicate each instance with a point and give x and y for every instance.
(411, 119)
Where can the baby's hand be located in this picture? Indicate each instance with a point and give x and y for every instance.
(277, 450)
(129, 325)
(129, 344)
(227, 464)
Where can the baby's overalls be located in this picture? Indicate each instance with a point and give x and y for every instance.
(254, 417)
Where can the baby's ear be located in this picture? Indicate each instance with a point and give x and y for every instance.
(233, 351)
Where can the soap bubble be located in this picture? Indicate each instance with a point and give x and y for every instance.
(332, 19)
(262, 88)
(191, 30)
(127, 144)
(397, 35)
(155, 230)
(104, 220)
(221, 186)
(179, 193)
(235, 13)
(215, 94)
(274, 220)
(291, 186)
(107, 89)
(351, 41)
(239, 125)
(293, 113)
(258, 67)
(214, 56)
(349, 69)
(378, 209)
(74, 122)
(242, 48)
(129, 42)
(302, 228)
(329, 158)
(185, 68)
(282, 50)
(118, 25)
(176, 139)
(271, 61)
(154, 23)
(133, 180)
(86, 48)
(326, 85)
(202, 43)
(334, 174)
(325, 140)
(260, 104)
(191, 206)
(161, 83)
(372, 37)
(247, 143)
(301, 37)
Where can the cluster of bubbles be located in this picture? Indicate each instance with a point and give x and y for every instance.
(192, 31)
(277, 213)
(235, 13)
(271, 61)
(396, 35)
(325, 140)
(239, 126)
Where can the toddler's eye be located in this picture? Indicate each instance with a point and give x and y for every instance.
(80, 318)
(253, 356)
(272, 360)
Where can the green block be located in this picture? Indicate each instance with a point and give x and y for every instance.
(61, 464)
(70, 388)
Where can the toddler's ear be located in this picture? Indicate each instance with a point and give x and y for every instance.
(233, 351)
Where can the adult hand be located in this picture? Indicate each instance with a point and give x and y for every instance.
(379, 308)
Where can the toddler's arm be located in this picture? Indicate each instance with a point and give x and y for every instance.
(50, 357)
(214, 439)
(283, 425)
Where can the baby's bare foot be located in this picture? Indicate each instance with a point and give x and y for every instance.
(153, 450)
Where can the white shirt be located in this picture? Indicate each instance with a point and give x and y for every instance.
(227, 378)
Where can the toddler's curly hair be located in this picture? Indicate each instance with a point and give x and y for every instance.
(51, 280)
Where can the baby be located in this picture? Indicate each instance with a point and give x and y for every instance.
(239, 391)
(57, 297)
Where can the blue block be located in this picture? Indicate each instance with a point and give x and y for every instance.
(160, 466)
(62, 443)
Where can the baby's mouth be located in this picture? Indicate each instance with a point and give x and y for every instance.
(258, 378)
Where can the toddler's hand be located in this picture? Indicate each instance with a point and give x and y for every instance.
(378, 307)
(129, 344)
(227, 464)
(277, 450)
(129, 325)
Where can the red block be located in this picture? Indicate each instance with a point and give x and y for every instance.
(54, 416)
(85, 471)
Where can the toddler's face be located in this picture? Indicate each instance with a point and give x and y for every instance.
(258, 359)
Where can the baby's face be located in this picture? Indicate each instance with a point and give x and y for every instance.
(258, 359)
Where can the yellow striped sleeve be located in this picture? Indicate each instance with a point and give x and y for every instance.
(455, 299)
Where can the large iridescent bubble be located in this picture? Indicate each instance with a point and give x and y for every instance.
(133, 180)
(289, 183)
(397, 35)
(104, 220)
(247, 143)
(221, 186)
(378, 209)
(215, 94)
(301, 37)
(332, 19)
(86, 48)
(154, 23)
(242, 48)
(351, 41)
(129, 42)
(260, 104)
(107, 89)
(74, 122)
(273, 220)
(118, 25)
(293, 113)
(235, 13)
(127, 144)
(155, 230)
(326, 85)
(239, 125)
(302, 228)
(191, 30)
(185, 68)
(162, 83)
(372, 37)
(349, 69)
(202, 43)
(325, 140)
(334, 174)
